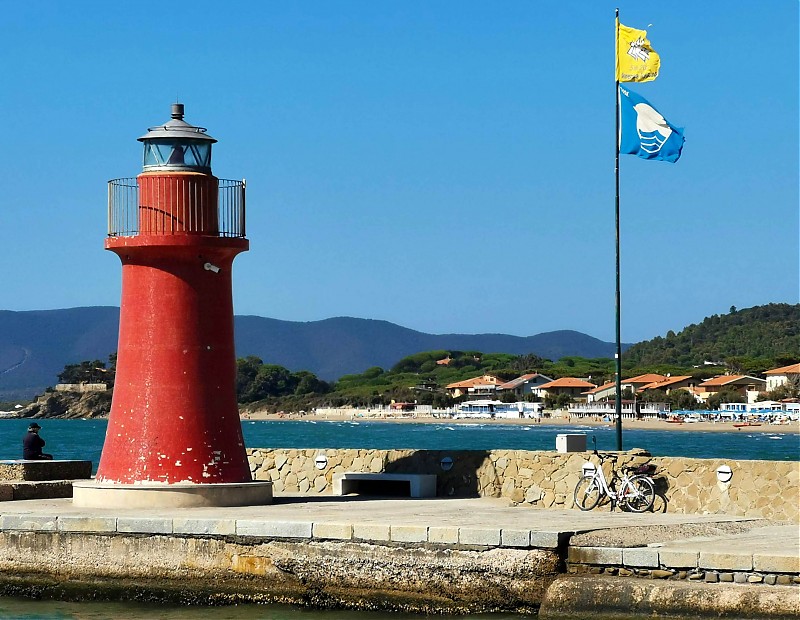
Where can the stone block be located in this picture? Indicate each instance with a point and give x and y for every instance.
(678, 559)
(19, 470)
(273, 529)
(640, 557)
(408, 533)
(725, 561)
(443, 535)
(371, 531)
(87, 524)
(36, 523)
(204, 527)
(335, 531)
(595, 555)
(515, 538)
(144, 525)
(41, 489)
(544, 540)
(776, 563)
(660, 574)
(487, 537)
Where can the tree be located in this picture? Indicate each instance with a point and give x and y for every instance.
(682, 399)
(307, 383)
(84, 372)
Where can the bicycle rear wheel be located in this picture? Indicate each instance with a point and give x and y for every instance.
(640, 495)
(587, 493)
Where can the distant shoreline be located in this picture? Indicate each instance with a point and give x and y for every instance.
(654, 425)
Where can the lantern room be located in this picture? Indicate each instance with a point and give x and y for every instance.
(177, 145)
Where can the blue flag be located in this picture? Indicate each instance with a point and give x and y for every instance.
(644, 132)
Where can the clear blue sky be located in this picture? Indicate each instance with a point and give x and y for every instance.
(447, 166)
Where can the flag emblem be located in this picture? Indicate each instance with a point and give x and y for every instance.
(636, 60)
(645, 132)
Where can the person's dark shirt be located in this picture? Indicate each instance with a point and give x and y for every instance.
(32, 446)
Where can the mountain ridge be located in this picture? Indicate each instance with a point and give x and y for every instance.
(35, 345)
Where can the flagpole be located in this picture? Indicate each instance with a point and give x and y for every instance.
(618, 353)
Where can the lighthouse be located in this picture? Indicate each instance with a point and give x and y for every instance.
(174, 437)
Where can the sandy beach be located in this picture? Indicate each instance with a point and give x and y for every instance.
(660, 425)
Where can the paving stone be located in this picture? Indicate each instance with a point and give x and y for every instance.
(740, 577)
(37, 523)
(771, 580)
(776, 563)
(204, 527)
(711, 577)
(335, 531)
(487, 537)
(87, 524)
(370, 531)
(784, 580)
(755, 579)
(640, 557)
(725, 561)
(273, 529)
(678, 559)
(408, 533)
(515, 538)
(544, 540)
(144, 525)
(625, 572)
(443, 535)
(595, 555)
(696, 576)
(726, 577)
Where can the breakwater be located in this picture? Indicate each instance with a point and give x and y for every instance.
(427, 556)
(500, 536)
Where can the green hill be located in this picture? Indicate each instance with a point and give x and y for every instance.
(749, 340)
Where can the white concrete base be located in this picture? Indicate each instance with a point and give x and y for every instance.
(90, 494)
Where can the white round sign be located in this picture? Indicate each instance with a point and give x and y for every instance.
(321, 462)
(724, 473)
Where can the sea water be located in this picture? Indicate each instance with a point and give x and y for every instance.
(83, 439)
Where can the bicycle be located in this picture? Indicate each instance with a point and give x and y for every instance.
(635, 491)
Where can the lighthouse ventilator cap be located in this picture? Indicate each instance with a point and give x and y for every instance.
(34, 427)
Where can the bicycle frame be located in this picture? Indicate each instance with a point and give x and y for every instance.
(590, 469)
(633, 492)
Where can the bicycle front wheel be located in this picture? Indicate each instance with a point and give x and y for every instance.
(587, 493)
(640, 494)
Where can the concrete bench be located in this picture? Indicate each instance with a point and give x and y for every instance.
(26, 471)
(407, 485)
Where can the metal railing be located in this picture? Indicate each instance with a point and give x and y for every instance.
(125, 209)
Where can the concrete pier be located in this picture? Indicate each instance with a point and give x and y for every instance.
(443, 555)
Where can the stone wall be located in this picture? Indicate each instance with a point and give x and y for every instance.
(545, 479)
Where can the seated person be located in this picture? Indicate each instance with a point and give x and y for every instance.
(32, 445)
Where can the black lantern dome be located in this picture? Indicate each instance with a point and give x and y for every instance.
(177, 145)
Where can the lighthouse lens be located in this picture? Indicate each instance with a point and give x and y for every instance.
(172, 154)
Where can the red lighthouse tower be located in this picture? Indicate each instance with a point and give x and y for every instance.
(174, 435)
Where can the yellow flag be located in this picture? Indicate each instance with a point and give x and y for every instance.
(636, 60)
